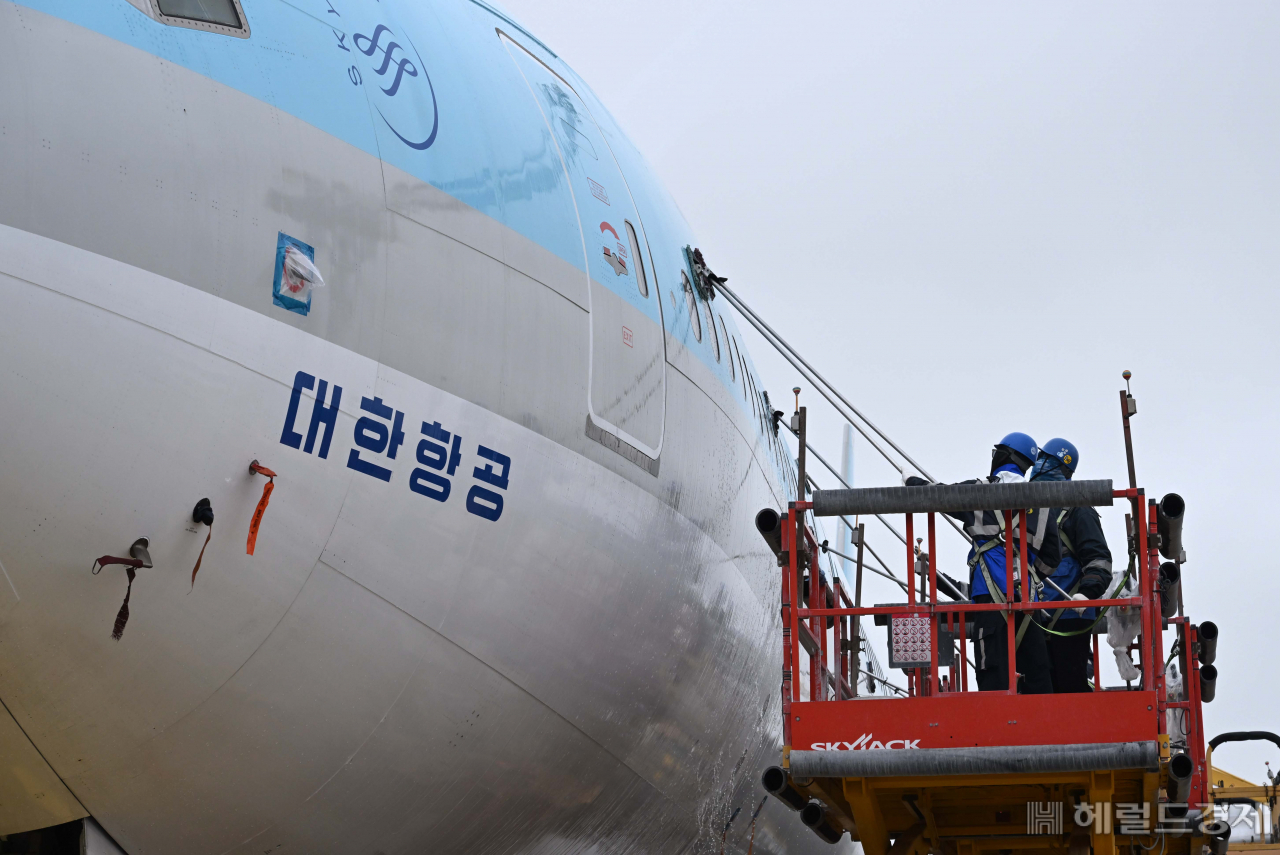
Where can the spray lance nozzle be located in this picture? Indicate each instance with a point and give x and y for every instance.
(140, 551)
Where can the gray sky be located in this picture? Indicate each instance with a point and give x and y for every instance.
(972, 218)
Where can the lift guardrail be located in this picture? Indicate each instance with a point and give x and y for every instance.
(944, 741)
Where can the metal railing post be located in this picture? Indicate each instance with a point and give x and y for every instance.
(1157, 616)
(857, 619)
(1195, 719)
(913, 674)
(793, 572)
(802, 454)
(911, 559)
(1145, 589)
(933, 613)
(1012, 664)
(821, 637)
(789, 606)
(1097, 665)
(815, 674)
(837, 635)
(1024, 569)
(1128, 438)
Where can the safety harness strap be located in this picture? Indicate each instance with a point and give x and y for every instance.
(978, 561)
(1062, 535)
(996, 594)
(1066, 543)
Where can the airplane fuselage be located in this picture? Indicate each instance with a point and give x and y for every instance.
(506, 595)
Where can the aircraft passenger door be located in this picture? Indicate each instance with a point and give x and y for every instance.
(627, 397)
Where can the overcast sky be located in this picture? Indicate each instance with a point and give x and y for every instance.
(973, 218)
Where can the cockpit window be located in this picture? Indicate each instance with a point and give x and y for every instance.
(219, 16)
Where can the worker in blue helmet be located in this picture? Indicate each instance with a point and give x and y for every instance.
(1084, 573)
(1011, 457)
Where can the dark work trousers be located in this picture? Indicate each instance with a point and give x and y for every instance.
(1069, 657)
(991, 654)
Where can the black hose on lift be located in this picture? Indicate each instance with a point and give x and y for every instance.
(1219, 841)
(1181, 768)
(769, 524)
(1208, 635)
(1169, 525)
(814, 816)
(961, 497)
(778, 784)
(1208, 683)
(1244, 736)
(973, 760)
(1170, 585)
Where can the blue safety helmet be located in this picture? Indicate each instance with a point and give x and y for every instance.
(1021, 444)
(1064, 451)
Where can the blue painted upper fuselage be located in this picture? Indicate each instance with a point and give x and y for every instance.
(435, 90)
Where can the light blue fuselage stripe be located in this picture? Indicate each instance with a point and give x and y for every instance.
(429, 89)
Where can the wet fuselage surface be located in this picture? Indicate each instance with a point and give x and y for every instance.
(506, 595)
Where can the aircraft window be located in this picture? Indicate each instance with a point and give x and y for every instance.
(733, 371)
(693, 305)
(221, 16)
(715, 333)
(641, 282)
(742, 363)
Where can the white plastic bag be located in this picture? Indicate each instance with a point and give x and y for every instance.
(1123, 626)
(300, 275)
(1175, 719)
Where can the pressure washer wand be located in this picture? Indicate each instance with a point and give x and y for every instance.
(1055, 587)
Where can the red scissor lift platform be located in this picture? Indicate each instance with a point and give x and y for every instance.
(947, 769)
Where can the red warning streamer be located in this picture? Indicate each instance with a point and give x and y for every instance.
(258, 469)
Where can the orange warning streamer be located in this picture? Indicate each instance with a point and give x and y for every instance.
(262, 504)
(196, 569)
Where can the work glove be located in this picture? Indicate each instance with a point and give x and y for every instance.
(914, 481)
(1079, 611)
